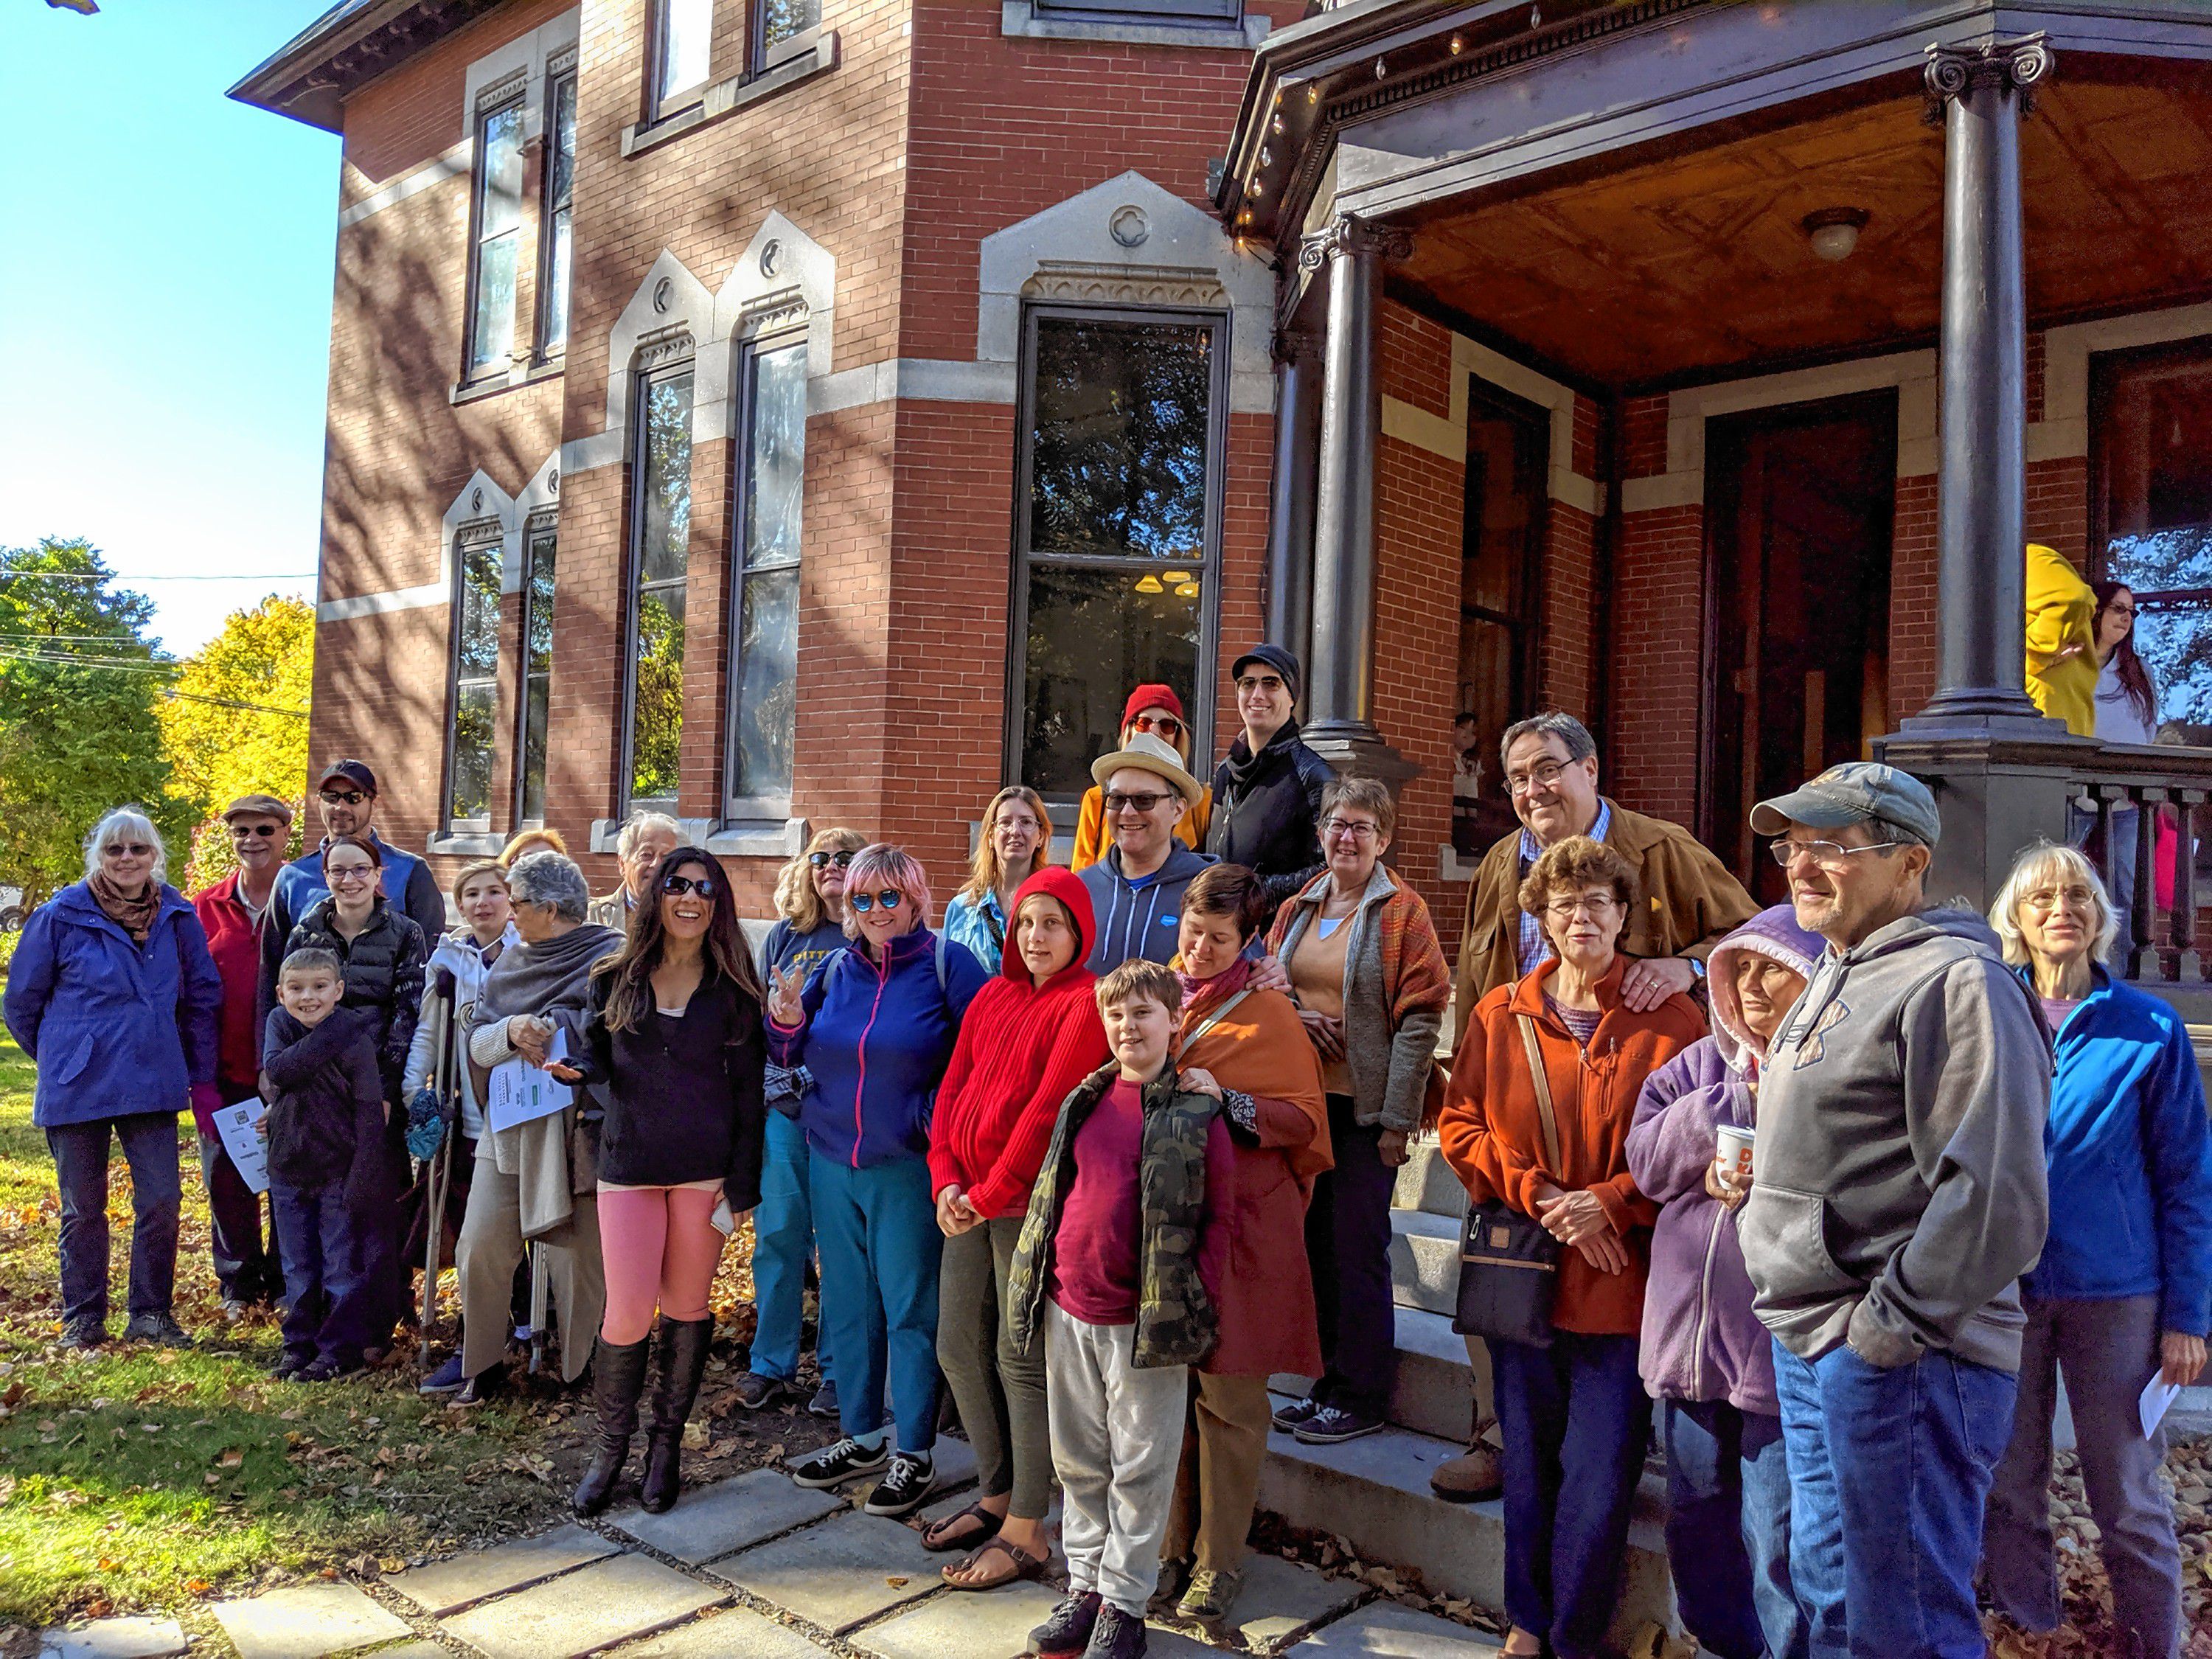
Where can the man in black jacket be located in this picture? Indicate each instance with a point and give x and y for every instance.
(1267, 795)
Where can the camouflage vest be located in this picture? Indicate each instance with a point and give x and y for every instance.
(1176, 1323)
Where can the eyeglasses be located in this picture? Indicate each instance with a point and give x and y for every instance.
(1118, 802)
(1260, 682)
(2044, 900)
(342, 797)
(348, 872)
(2127, 610)
(677, 886)
(1542, 776)
(1828, 854)
(1352, 830)
(1166, 725)
(1595, 909)
(128, 850)
(890, 898)
(822, 860)
(243, 829)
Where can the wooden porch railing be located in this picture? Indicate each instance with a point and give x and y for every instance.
(2143, 790)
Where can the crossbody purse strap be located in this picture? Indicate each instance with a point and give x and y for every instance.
(1216, 1016)
(1543, 1083)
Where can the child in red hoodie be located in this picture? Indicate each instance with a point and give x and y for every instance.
(1031, 1035)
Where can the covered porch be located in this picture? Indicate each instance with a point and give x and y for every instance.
(1721, 358)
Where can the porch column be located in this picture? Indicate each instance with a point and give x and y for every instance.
(1979, 92)
(1340, 670)
(1290, 515)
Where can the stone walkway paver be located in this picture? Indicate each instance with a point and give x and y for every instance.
(1281, 1595)
(1387, 1631)
(115, 1638)
(740, 1633)
(444, 1587)
(581, 1612)
(838, 1574)
(963, 1625)
(306, 1621)
(729, 1515)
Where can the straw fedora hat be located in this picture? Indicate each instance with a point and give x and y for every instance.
(1148, 753)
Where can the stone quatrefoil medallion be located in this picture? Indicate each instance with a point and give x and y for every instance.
(1128, 225)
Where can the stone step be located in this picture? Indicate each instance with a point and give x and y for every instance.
(1424, 1260)
(1436, 1381)
(1376, 1492)
(1427, 1183)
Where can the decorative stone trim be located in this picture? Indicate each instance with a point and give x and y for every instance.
(521, 64)
(740, 839)
(1019, 18)
(1081, 283)
(463, 844)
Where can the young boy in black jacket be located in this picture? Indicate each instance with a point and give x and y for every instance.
(327, 1161)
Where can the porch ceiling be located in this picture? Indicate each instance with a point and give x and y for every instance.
(1694, 265)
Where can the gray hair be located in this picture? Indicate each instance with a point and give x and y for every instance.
(117, 823)
(626, 842)
(2041, 863)
(1552, 723)
(550, 879)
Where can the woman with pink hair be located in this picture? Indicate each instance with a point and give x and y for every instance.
(874, 1027)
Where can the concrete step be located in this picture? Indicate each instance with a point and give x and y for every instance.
(1437, 1383)
(1424, 1260)
(1427, 1183)
(1376, 1491)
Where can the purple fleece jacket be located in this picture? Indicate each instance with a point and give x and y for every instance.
(1701, 1340)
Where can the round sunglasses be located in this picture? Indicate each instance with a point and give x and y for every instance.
(890, 898)
(822, 860)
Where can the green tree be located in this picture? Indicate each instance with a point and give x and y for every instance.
(78, 684)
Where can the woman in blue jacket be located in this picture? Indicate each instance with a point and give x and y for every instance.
(114, 996)
(874, 1026)
(2124, 1291)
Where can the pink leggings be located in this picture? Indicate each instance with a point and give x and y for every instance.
(661, 1250)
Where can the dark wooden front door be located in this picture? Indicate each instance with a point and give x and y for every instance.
(1798, 504)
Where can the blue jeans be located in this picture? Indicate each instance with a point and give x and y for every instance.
(326, 1272)
(877, 1230)
(1575, 1420)
(783, 1243)
(1888, 1474)
(1727, 1530)
(149, 1147)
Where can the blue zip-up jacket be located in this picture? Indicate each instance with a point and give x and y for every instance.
(2131, 1161)
(115, 1026)
(875, 1038)
(1141, 918)
(407, 883)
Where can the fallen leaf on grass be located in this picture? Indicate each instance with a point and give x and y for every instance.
(232, 1458)
(896, 1584)
(198, 1587)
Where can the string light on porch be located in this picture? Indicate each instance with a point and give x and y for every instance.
(1834, 232)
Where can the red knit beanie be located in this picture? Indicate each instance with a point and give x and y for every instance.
(1153, 696)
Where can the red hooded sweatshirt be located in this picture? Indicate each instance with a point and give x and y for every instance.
(1022, 1048)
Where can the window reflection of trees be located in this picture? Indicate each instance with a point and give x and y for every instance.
(2171, 571)
(659, 718)
(781, 20)
(537, 670)
(476, 680)
(765, 715)
(663, 557)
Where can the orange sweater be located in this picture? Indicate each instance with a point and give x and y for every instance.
(1093, 835)
(1493, 1137)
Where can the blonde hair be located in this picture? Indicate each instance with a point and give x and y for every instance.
(2035, 865)
(796, 901)
(550, 838)
(882, 866)
(983, 871)
(482, 867)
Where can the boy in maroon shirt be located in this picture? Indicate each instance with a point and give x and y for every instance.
(1119, 1261)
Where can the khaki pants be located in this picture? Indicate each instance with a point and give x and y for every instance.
(1224, 1443)
(490, 1250)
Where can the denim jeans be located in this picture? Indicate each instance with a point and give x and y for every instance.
(1888, 1474)
(1727, 1530)
(245, 1267)
(326, 1271)
(1574, 1420)
(1348, 1242)
(783, 1243)
(876, 1228)
(149, 1147)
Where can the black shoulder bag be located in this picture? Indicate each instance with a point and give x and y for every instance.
(1509, 1265)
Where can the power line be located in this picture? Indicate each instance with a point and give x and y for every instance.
(114, 576)
(169, 691)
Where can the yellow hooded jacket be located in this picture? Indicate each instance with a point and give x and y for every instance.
(2062, 645)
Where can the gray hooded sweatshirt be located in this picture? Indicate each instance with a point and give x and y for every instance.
(1142, 920)
(1900, 1188)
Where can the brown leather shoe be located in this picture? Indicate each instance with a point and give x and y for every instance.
(1469, 1477)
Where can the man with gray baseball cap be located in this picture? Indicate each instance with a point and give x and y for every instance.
(1897, 1194)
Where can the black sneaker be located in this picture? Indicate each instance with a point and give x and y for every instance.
(480, 1387)
(1067, 1633)
(159, 1328)
(1333, 1425)
(912, 1479)
(1289, 1418)
(332, 1370)
(757, 1392)
(1117, 1635)
(824, 1403)
(85, 1334)
(288, 1369)
(446, 1379)
(834, 1465)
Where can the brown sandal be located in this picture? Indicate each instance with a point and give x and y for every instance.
(1021, 1564)
(933, 1535)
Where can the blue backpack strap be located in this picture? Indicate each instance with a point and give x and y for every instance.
(937, 951)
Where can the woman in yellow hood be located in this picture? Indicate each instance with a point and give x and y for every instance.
(2061, 654)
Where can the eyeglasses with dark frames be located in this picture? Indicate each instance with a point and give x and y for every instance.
(261, 830)
(822, 860)
(1117, 802)
(342, 797)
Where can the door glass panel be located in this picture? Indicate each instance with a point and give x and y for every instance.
(2154, 443)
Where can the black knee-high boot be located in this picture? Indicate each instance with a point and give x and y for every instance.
(617, 1380)
(682, 1344)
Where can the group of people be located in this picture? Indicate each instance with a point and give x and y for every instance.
(1840, 1185)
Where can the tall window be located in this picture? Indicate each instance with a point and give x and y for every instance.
(685, 29)
(498, 214)
(476, 681)
(555, 231)
(1508, 442)
(786, 28)
(537, 666)
(661, 540)
(1119, 518)
(764, 678)
(2154, 497)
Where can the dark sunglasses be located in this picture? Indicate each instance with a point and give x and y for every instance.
(890, 898)
(822, 860)
(256, 829)
(1115, 801)
(135, 849)
(676, 886)
(342, 797)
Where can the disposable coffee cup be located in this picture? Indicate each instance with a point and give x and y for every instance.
(1734, 1148)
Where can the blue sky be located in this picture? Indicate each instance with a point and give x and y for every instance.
(165, 299)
